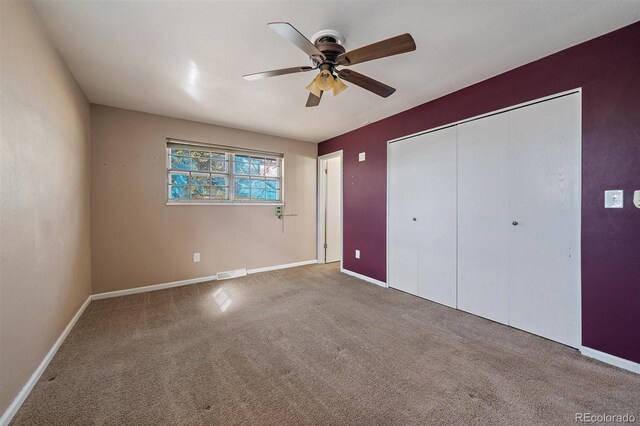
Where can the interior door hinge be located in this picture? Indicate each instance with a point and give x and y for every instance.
(326, 171)
(325, 245)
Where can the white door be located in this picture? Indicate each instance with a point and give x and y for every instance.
(403, 205)
(437, 217)
(483, 220)
(544, 206)
(333, 228)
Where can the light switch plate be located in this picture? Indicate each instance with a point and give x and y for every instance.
(361, 156)
(196, 257)
(357, 254)
(636, 198)
(613, 199)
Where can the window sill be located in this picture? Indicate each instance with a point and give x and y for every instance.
(224, 204)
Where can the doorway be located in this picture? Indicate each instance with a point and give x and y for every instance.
(330, 208)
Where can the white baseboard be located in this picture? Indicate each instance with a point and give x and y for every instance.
(191, 281)
(611, 359)
(152, 287)
(285, 266)
(26, 389)
(363, 277)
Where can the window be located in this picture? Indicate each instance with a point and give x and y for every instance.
(209, 174)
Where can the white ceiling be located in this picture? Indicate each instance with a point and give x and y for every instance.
(185, 59)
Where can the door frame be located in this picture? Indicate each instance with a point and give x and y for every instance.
(322, 206)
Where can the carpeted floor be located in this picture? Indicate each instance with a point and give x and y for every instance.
(312, 346)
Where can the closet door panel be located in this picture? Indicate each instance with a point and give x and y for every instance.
(483, 220)
(544, 200)
(437, 219)
(403, 206)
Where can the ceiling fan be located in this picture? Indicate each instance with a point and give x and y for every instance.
(326, 53)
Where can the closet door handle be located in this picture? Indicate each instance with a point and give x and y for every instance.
(414, 219)
(514, 223)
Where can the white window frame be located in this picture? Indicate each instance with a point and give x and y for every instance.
(231, 152)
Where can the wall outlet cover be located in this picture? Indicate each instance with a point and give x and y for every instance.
(357, 254)
(361, 156)
(196, 257)
(613, 199)
(636, 198)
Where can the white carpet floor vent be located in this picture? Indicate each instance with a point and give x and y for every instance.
(236, 273)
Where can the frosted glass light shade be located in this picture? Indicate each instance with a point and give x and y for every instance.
(313, 88)
(324, 80)
(338, 86)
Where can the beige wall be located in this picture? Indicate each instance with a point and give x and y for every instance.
(45, 269)
(137, 240)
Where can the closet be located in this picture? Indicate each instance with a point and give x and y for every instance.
(484, 216)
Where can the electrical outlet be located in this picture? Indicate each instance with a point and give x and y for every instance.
(362, 156)
(196, 257)
(357, 254)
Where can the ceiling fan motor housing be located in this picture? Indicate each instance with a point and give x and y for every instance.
(329, 42)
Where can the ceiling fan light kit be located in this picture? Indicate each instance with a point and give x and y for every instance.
(313, 88)
(326, 53)
(324, 80)
(338, 86)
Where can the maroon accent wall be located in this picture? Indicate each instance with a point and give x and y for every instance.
(608, 70)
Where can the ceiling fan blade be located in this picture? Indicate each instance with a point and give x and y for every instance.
(313, 100)
(367, 83)
(392, 46)
(275, 73)
(288, 31)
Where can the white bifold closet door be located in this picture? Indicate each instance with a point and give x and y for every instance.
(483, 217)
(544, 201)
(422, 218)
(437, 218)
(404, 175)
(519, 218)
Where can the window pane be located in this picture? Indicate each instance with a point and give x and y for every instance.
(241, 165)
(219, 180)
(272, 195)
(200, 164)
(178, 192)
(179, 178)
(257, 166)
(218, 166)
(245, 165)
(242, 188)
(257, 189)
(219, 192)
(179, 151)
(272, 184)
(271, 167)
(180, 163)
(258, 194)
(200, 179)
(257, 184)
(200, 154)
(200, 192)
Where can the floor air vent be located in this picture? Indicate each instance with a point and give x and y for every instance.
(232, 274)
